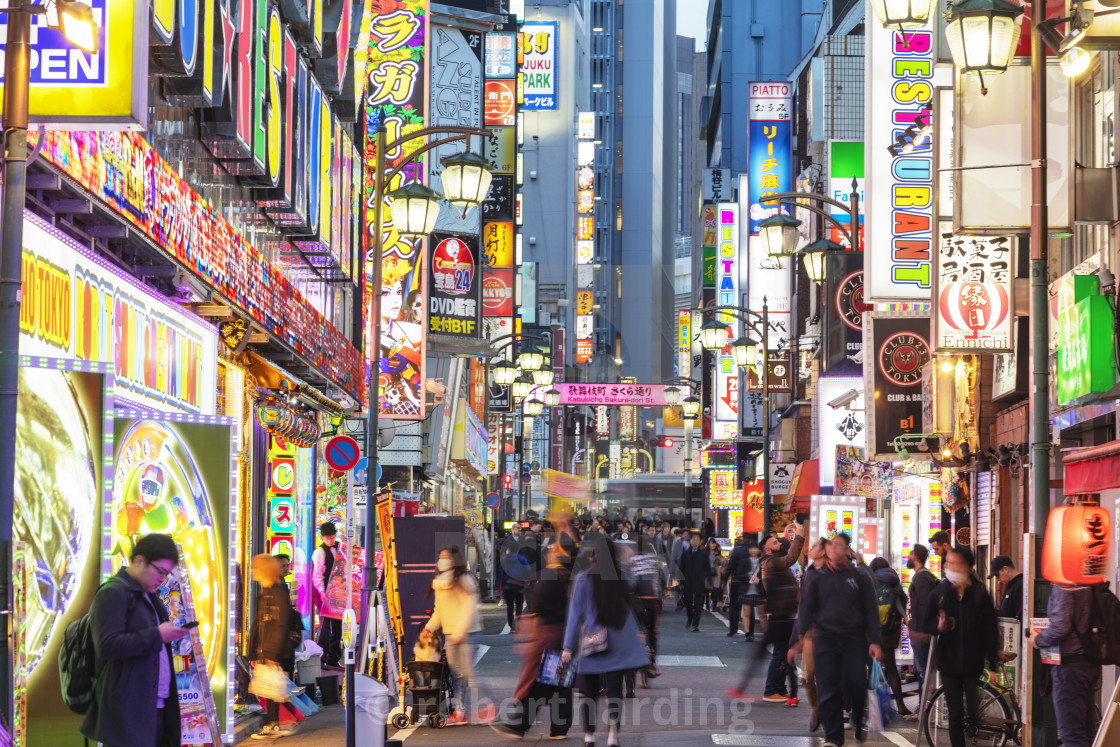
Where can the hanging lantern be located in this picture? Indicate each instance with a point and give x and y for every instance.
(521, 386)
(544, 376)
(1078, 544)
(745, 352)
(982, 35)
(552, 397)
(533, 407)
(531, 359)
(690, 407)
(672, 396)
(814, 256)
(903, 14)
(414, 208)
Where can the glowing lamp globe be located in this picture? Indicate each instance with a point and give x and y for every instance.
(1078, 545)
(903, 14)
(982, 35)
(713, 335)
(672, 396)
(466, 179)
(504, 373)
(780, 234)
(414, 208)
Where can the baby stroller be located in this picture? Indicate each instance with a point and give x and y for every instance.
(429, 683)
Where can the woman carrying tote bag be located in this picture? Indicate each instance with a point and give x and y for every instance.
(603, 631)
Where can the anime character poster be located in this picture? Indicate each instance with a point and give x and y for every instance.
(174, 477)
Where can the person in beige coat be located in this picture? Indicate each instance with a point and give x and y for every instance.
(456, 614)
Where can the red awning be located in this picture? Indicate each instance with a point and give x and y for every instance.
(1092, 469)
(806, 483)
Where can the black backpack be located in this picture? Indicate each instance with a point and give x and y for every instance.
(1102, 640)
(77, 661)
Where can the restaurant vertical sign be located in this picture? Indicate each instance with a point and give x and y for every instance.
(395, 97)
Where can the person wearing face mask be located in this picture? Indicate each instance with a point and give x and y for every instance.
(456, 614)
(960, 613)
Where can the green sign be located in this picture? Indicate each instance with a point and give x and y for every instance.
(1085, 361)
(709, 267)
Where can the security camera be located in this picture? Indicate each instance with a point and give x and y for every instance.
(844, 399)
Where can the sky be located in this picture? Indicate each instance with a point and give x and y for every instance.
(692, 20)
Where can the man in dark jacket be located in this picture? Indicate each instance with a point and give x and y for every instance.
(1004, 571)
(960, 612)
(1076, 678)
(136, 702)
(738, 566)
(781, 589)
(839, 606)
(695, 565)
(922, 583)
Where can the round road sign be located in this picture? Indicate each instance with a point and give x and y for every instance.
(349, 623)
(342, 453)
(493, 501)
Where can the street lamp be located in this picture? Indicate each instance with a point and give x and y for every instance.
(531, 359)
(504, 373)
(520, 387)
(690, 408)
(414, 208)
(780, 234)
(466, 179)
(982, 35)
(533, 407)
(544, 376)
(814, 256)
(903, 14)
(552, 398)
(79, 28)
(713, 335)
(745, 352)
(672, 396)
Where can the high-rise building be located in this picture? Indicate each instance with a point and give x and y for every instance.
(634, 96)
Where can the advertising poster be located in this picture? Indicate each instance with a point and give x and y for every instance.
(500, 107)
(75, 307)
(497, 292)
(974, 296)
(538, 66)
(498, 241)
(499, 148)
(771, 155)
(395, 96)
(455, 100)
(843, 313)
(61, 444)
(197, 712)
(501, 55)
(832, 514)
(499, 202)
(857, 476)
(455, 287)
(899, 348)
(174, 477)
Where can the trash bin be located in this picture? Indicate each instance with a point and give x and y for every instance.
(371, 701)
(328, 690)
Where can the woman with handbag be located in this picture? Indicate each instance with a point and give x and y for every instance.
(603, 630)
(271, 642)
(456, 614)
(547, 613)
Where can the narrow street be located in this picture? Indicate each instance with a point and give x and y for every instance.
(686, 705)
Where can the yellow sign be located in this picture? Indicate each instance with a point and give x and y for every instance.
(498, 240)
(584, 302)
(349, 623)
(72, 89)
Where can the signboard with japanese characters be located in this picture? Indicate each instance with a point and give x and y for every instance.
(717, 185)
(498, 242)
(455, 89)
(454, 287)
(771, 154)
(498, 205)
(584, 302)
(538, 66)
(585, 252)
(501, 55)
(499, 148)
(497, 291)
(586, 126)
(500, 105)
(585, 228)
(584, 350)
(637, 395)
(897, 346)
(974, 294)
(585, 327)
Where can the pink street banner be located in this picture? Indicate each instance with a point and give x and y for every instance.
(637, 395)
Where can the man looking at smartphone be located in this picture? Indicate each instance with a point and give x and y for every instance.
(135, 698)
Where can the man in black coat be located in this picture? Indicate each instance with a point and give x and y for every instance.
(695, 566)
(1011, 603)
(738, 567)
(136, 702)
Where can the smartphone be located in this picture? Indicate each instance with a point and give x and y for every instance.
(189, 625)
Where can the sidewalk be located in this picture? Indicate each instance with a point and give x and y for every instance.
(687, 705)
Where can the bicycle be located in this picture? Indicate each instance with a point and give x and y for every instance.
(996, 725)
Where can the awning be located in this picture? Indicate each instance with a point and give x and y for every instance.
(1092, 469)
(806, 483)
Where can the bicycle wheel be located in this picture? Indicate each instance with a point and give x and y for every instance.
(988, 731)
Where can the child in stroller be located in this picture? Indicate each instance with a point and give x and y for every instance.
(428, 679)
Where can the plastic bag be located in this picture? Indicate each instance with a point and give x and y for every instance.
(307, 649)
(880, 701)
(270, 682)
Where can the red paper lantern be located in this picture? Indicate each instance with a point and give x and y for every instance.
(1077, 545)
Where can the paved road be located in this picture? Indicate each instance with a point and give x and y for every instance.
(686, 703)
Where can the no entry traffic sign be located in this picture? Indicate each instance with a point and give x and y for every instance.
(342, 453)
